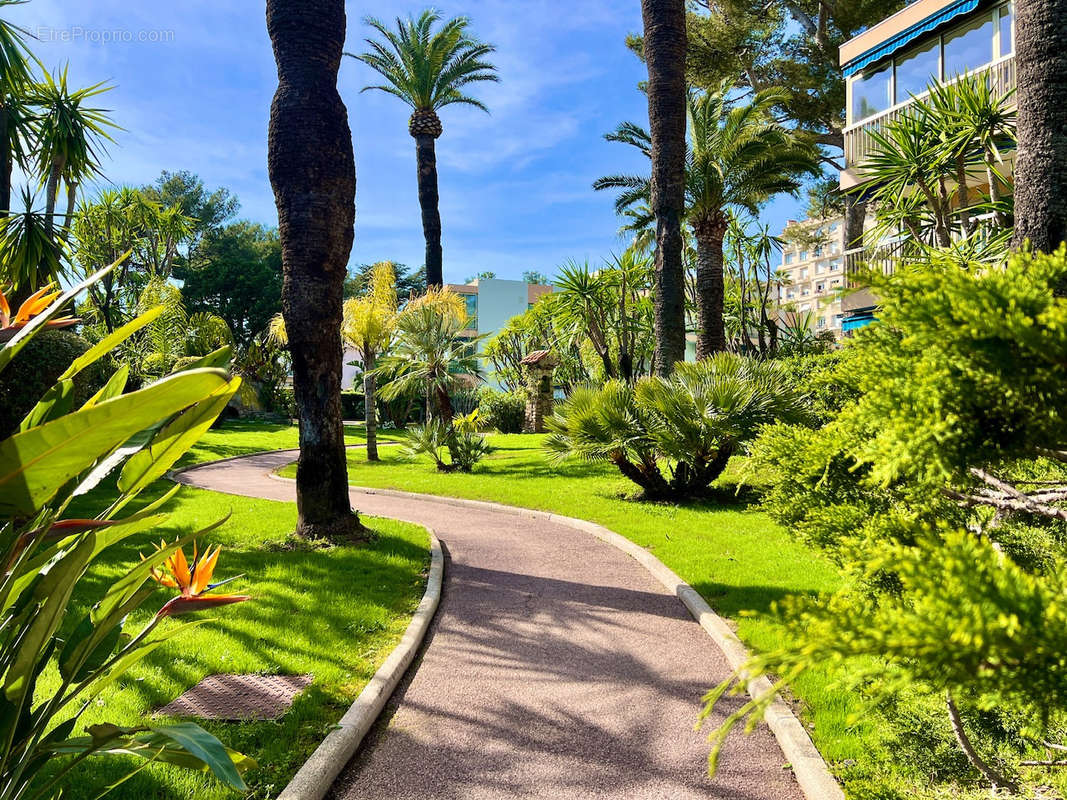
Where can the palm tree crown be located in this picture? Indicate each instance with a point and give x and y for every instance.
(428, 69)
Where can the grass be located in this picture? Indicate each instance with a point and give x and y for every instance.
(335, 613)
(734, 555)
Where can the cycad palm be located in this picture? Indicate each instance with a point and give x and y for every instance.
(428, 70)
(739, 157)
(14, 119)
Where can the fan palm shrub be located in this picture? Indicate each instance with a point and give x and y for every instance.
(674, 436)
(428, 69)
(62, 449)
(460, 440)
(432, 355)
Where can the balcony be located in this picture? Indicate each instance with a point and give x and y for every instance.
(858, 140)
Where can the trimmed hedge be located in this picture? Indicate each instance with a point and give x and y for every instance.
(34, 371)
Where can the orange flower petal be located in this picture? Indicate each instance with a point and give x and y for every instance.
(5, 311)
(179, 568)
(203, 571)
(33, 304)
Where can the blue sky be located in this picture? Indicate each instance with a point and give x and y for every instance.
(194, 80)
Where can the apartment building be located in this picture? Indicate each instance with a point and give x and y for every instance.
(812, 269)
(491, 303)
(893, 62)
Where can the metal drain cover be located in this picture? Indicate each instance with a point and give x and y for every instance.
(238, 697)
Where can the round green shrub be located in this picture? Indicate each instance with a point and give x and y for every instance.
(34, 371)
(505, 411)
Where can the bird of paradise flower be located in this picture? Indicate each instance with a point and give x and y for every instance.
(193, 581)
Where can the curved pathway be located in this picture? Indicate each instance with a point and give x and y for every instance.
(557, 668)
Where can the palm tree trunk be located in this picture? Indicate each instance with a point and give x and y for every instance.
(5, 159)
(370, 411)
(51, 194)
(429, 202)
(711, 287)
(1041, 158)
(312, 172)
(72, 197)
(664, 49)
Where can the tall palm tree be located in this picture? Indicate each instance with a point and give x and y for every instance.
(15, 75)
(69, 136)
(1041, 161)
(738, 159)
(664, 52)
(313, 174)
(368, 325)
(428, 70)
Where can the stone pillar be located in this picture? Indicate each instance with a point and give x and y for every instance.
(539, 365)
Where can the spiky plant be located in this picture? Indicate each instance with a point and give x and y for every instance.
(428, 70)
(674, 436)
(70, 137)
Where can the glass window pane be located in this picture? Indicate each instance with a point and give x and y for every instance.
(916, 71)
(969, 47)
(1007, 43)
(870, 93)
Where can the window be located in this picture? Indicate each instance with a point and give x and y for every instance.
(822, 322)
(803, 273)
(803, 255)
(1007, 38)
(788, 258)
(968, 47)
(820, 268)
(833, 227)
(835, 264)
(870, 93)
(820, 288)
(916, 70)
(471, 301)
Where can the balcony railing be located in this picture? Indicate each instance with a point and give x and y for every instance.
(882, 258)
(858, 140)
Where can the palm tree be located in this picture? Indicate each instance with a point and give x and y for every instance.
(428, 70)
(14, 120)
(664, 52)
(1041, 161)
(69, 138)
(430, 354)
(368, 326)
(739, 158)
(313, 174)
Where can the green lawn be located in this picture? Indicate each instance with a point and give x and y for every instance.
(734, 555)
(334, 613)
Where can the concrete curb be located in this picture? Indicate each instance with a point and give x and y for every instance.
(314, 779)
(812, 774)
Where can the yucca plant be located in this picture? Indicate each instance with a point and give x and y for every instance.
(58, 453)
(460, 440)
(674, 436)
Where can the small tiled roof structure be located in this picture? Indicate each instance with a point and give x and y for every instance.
(539, 358)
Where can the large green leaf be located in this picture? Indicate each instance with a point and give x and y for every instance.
(11, 349)
(57, 401)
(184, 744)
(51, 596)
(115, 386)
(173, 441)
(110, 342)
(35, 464)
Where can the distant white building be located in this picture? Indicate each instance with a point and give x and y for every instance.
(491, 304)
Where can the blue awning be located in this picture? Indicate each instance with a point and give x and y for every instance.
(906, 36)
